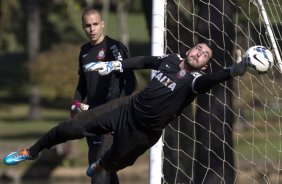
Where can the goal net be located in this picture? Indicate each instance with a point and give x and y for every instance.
(232, 134)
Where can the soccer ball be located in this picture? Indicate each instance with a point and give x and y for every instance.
(259, 59)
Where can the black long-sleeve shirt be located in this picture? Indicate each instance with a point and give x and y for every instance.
(170, 90)
(101, 89)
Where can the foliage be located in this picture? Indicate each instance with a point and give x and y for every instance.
(61, 23)
(56, 71)
(135, 7)
(11, 27)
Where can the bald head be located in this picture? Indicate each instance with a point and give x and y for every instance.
(89, 12)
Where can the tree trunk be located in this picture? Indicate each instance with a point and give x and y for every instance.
(51, 158)
(33, 40)
(214, 150)
(106, 11)
(173, 139)
(122, 22)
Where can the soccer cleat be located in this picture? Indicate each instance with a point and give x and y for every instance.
(17, 157)
(91, 169)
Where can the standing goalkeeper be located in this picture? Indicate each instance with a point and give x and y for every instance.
(100, 89)
(137, 121)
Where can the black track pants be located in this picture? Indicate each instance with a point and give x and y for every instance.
(129, 142)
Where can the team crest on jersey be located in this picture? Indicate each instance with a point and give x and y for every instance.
(101, 54)
(181, 73)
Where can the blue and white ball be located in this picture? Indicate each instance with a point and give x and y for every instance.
(259, 59)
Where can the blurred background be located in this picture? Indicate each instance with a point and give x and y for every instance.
(40, 42)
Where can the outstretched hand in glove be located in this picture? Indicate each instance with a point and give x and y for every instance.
(240, 65)
(103, 68)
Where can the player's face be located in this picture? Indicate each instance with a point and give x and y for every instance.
(198, 57)
(93, 26)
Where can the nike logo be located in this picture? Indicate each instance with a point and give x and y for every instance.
(84, 55)
(167, 66)
(255, 56)
(97, 142)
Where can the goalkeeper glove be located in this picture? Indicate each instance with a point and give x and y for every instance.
(240, 66)
(104, 68)
(77, 107)
(93, 66)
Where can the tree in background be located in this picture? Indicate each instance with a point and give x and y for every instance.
(215, 157)
(33, 44)
(122, 12)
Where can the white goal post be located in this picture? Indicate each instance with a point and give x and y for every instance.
(158, 30)
(270, 34)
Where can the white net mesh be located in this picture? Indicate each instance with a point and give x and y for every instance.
(233, 134)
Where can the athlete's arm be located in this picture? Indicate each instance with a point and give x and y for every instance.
(141, 62)
(205, 82)
(133, 63)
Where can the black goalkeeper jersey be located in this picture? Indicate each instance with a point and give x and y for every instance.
(170, 90)
(101, 89)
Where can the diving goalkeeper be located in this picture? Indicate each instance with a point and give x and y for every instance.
(138, 120)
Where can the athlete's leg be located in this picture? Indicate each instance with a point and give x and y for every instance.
(68, 130)
(99, 120)
(98, 145)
